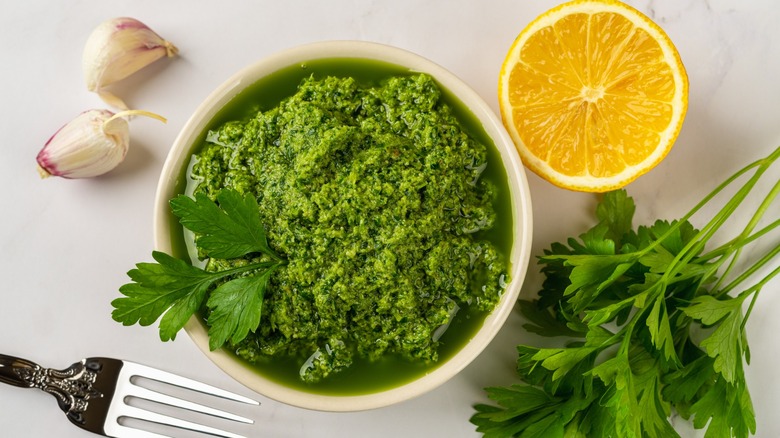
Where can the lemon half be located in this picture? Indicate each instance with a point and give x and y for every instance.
(593, 94)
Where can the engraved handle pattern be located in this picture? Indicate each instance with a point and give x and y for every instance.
(10, 369)
(72, 387)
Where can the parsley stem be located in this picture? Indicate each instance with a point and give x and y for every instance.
(760, 263)
(745, 234)
(697, 244)
(755, 290)
(728, 248)
(762, 164)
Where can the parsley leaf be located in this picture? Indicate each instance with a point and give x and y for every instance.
(727, 343)
(641, 299)
(168, 285)
(542, 322)
(685, 384)
(726, 410)
(725, 346)
(660, 330)
(616, 213)
(227, 230)
(236, 307)
(173, 290)
(710, 310)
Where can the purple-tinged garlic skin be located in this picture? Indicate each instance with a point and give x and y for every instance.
(118, 48)
(90, 145)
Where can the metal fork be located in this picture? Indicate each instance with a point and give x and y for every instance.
(94, 394)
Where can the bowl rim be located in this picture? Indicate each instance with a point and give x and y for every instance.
(516, 179)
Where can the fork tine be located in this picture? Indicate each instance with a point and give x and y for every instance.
(148, 394)
(140, 414)
(139, 370)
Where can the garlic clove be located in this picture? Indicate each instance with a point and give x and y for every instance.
(93, 143)
(82, 148)
(118, 48)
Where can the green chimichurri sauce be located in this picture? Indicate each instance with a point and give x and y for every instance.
(389, 203)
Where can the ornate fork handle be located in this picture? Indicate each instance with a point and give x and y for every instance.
(72, 387)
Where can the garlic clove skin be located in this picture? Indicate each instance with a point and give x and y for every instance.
(85, 147)
(118, 48)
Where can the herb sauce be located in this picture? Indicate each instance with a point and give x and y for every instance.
(391, 206)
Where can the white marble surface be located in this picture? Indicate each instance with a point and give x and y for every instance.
(66, 245)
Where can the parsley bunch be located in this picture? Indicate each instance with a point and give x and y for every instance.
(173, 289)
(656, 324)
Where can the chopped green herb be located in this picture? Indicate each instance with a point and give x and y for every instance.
(656, 324)
(390, 217)
(174, 289)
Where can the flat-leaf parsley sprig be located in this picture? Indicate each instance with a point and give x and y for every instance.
(172, 290)
(656, 324)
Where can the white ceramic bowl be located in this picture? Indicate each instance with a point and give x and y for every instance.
(521, 211)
